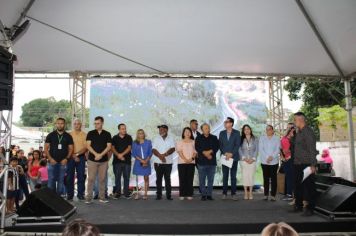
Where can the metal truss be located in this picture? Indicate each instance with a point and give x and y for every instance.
(276, 113)
(78, 99)
(5, 141)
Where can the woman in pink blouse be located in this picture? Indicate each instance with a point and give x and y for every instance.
(186, 164)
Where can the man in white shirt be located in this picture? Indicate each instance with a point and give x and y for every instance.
(269, 149)
(163, 147)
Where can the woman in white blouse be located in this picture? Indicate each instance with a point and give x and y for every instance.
(248, 156)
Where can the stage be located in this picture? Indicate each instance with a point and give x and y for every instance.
(193, 217)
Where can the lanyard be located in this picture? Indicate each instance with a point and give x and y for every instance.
(59, 138)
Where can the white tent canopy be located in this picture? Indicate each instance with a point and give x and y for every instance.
(186, 36)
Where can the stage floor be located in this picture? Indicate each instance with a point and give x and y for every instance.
(195, 217)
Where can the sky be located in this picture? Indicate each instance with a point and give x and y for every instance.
(27, 89)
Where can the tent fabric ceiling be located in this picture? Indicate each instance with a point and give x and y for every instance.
(186, 36)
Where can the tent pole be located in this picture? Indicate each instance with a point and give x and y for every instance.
(348, 100)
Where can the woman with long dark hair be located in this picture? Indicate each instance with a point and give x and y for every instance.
(33, 167)
(186, 163)
(248, 156)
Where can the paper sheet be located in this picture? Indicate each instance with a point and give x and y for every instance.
(306, 172)
(225, 162)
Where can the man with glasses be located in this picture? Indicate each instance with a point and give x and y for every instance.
(98, 144)
(229, 140)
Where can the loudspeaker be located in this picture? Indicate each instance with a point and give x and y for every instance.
(338, 198)
(43, 203)
(6, 79)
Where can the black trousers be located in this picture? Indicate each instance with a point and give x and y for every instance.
(270, 174)
(163, 170)
(186, 176)
(304, 190)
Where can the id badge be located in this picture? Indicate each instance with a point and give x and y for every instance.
(59, 146)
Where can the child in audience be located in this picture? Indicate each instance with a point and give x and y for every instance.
(13, 185)
(43, 173)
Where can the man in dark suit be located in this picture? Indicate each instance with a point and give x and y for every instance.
(194, 127)
(229, 140)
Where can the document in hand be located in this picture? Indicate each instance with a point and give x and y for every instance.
(306, 172)
(228, 162)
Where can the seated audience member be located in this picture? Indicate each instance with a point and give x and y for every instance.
(80, 227)
(280, 229)
(325, 156)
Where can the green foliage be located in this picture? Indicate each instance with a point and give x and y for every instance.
(332, 116)
(42, 112)
(315, 95)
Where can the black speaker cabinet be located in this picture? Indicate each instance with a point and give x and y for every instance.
(44, 206)
(338, 202)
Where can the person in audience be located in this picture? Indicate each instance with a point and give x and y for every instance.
(194, 127)
(269, 148)
(142, 153)
(80, 227)
(186, 163)
(58, 149)
(248, 156)
(23, 162)
(287, 162)
(13, 185)
(163, 148)
(304, 157)
(33, 167)
(22, 159)
(325, 156)
(42, 175)
(229, 140)
(21, 189)
(207, 146)
(99, 145)
(77, 162)
(280, 229)
(121, 148)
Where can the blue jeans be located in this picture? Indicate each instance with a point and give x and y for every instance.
(114, 188)
(124, 170)
(233, 171)
(56, 174)
(289, 176)
(96, 185)
(206, 172)
(73, 166)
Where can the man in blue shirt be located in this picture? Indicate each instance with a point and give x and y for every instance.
(229, 140)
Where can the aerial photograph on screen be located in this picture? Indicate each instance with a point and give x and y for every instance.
(146, 103)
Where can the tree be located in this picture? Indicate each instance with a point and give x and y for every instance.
(315, 95)
(43, 112)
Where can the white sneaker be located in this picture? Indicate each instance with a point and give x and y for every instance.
(88, 201)
(224, 197)
(103, 201)
(181, 198)
(235, 198)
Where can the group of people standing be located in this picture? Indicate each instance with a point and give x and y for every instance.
(66, 154)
